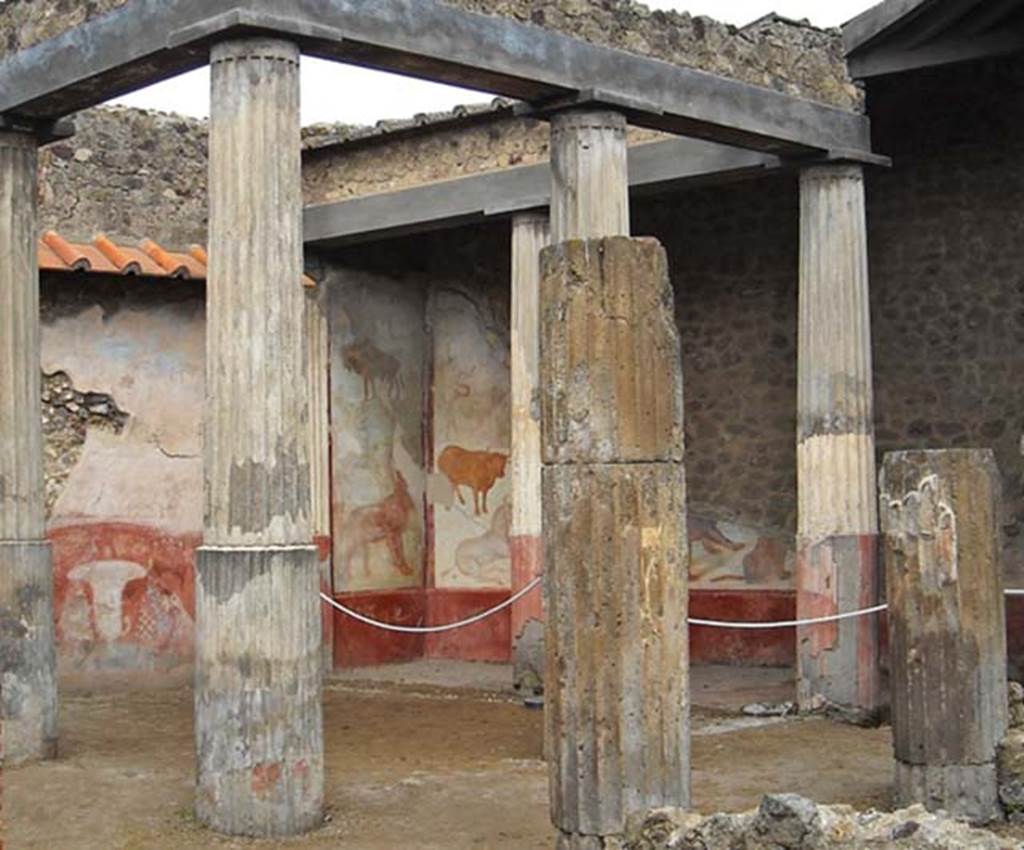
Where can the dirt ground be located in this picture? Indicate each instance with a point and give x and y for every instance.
(409, 764)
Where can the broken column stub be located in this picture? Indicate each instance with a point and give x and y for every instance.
(837, 520)
(947, 627)
(259, 736)
(617, 707)
(27, 635)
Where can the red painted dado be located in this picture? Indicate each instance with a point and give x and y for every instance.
(772, 648)
(359, 645)
(124, 595)
(527, 553)
(488, 640)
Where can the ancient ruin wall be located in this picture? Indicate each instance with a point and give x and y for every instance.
(131, 174)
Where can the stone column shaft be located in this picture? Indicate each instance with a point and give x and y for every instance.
(947, 627)
(259, 735)
(837, 524)
(614, 498)
(27, 634)
(530, 234)
(590, 176)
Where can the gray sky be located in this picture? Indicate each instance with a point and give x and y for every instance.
(333, 92)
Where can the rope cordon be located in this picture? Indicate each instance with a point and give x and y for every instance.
(693, 621)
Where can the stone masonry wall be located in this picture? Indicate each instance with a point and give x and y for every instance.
(947, 270)
(775, 53)
(131, 174)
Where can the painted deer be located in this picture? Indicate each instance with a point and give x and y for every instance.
(476, 470)
(383, 522)
(374, 367)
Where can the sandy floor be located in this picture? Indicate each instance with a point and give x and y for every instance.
(409, 764)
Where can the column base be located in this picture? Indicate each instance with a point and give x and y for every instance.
(28, 652)
(259, 726)
(573, 841)
(963, 790)
(838, 664)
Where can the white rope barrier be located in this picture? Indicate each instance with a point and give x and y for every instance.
(787, 624)
(693, 621)
(430, 630)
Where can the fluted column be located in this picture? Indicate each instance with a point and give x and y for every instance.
(590, 177)
(615, 554)
(27, 639)
(837, 522)
(947, 628)
(259, 732)
(530, 234)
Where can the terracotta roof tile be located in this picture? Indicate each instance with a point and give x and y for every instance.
(104, 256)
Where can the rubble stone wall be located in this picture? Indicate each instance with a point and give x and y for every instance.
(946, 257)
(131, 174)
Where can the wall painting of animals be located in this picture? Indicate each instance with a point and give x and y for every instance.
(469, 486)
(378, 349)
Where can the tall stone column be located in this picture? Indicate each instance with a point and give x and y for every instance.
(530, 234)
(259, 736)
(837, 526)
(27, 634)
(590, 177)
(617, 706)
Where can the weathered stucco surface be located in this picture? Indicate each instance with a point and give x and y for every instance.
(122, 426)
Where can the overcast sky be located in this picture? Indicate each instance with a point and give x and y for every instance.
(334, 92)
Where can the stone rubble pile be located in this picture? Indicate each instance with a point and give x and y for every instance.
(1010, 759)
(791, 822)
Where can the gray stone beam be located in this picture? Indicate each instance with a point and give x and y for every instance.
(653, 168)
(148, 40)
(907, 35)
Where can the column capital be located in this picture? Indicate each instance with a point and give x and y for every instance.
(16, 131)
(824, 171)
(588, 118)
(255, 48)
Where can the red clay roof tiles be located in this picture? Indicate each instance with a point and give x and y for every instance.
(103, 256)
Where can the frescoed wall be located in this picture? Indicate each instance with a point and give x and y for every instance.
(469, 487)
(725, 555)
(378, 351)
(122, 417)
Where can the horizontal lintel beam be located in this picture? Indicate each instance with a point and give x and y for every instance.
(656, 167)
(145, 41)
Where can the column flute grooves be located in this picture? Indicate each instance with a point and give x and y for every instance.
(259, 737)
(835, 443)
(27, 640)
